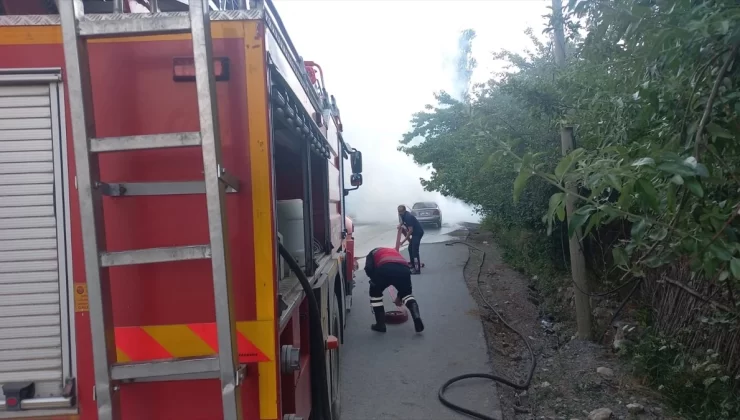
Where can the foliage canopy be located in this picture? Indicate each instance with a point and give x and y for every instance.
(651, 88)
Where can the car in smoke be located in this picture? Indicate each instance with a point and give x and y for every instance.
(428, 213)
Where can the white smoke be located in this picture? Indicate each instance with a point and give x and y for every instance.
(383, 61)
(393, 178)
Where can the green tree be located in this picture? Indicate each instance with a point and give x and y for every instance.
(654, 90)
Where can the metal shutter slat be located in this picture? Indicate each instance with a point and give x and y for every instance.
(16, 234)
(20, 101)
(25, 146)
(36, 90)
(32, 376)
(30, 343)
(28, 244)
(29, 321)
(30, 112)
(31, 299)
(29, 310)
(26, 168)
(16, 267)
(34, 211)
(25, 366)
(27, 200)
(20, 157)
(33, 255)
(25, 179)
(28, 222)
(28, 288)
(9, 355)
(18, 135)
(29, 332)
(25, 124)
(33, 189)
(32, 277)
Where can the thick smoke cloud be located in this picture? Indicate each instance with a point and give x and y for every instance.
(394, 177)
(383, 61)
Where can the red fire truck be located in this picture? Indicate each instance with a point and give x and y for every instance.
(173, 239)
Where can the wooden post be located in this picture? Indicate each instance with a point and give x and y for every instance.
(577, 259)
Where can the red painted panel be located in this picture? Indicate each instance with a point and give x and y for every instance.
(303, 377)
(134, 94)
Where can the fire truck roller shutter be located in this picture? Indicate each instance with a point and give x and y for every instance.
(34, 317)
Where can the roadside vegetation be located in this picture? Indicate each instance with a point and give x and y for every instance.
(652, 91)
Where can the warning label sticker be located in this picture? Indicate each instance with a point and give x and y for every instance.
(82, 303)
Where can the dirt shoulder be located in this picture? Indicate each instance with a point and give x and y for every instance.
(572, 379)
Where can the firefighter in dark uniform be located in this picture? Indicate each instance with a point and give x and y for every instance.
(387, 267)
(415, 232)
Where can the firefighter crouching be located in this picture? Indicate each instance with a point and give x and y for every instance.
(387, 267)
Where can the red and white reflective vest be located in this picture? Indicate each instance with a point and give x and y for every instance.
(387, 256)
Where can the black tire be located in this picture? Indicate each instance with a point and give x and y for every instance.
(335, 379)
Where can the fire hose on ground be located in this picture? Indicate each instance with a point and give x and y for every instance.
(521, 386)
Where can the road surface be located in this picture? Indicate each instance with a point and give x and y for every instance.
(368, 237)
(396, 375)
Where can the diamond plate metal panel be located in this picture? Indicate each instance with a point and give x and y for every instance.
(52, 20)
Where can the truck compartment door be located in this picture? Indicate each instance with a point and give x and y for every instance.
(34, 317)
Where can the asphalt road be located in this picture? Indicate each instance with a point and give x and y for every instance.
(368, 237)
(396, 375)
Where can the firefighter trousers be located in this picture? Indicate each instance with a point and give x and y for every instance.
(414, 245)
(391, 274)
(397, 275)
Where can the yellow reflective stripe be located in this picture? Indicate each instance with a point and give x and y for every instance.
(179, 340)
(121, 357)
(260, 161)
(259, 333)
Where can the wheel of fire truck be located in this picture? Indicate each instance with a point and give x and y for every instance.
(335, 329)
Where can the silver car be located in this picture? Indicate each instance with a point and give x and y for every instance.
(428, 213)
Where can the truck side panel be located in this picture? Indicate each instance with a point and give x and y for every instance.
(296, 389)
(332, 195)
(134, 94)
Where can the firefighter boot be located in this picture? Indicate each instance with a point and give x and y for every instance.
(415, 314)
(379, 325)
(415, 265)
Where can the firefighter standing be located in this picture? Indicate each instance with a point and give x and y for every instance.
(387, 267)
(415, 232)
